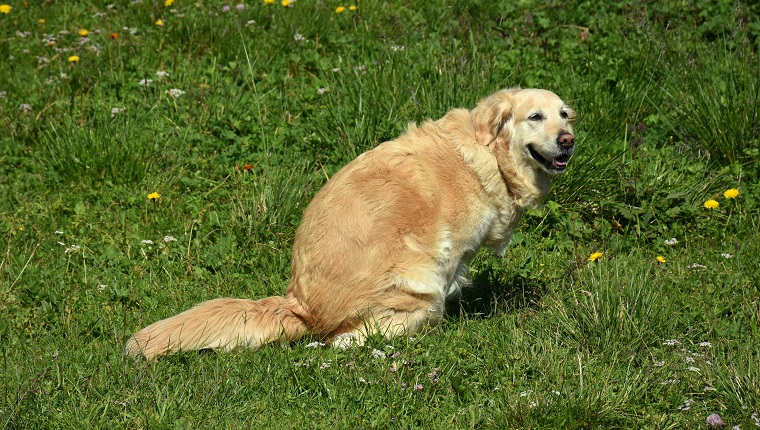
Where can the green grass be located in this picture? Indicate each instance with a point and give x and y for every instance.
(667, 96)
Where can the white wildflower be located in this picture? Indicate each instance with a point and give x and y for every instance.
(321, 91)
(72, 248)
(115, 111)
(315, 345)
(696, 266)
(298, 37)
(175, 92)
(686, 405)
(694, 369)
(671, 241)
(162, 74)
(145, 82)
(705, 344)
(146, 242)
(671, 342)
(727, 255)
(168, 239)
(376, 353)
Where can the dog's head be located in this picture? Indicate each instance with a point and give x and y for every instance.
(535, 126)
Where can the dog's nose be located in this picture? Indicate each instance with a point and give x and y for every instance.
(566, 140)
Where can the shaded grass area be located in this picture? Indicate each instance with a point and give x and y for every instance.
(273, 101)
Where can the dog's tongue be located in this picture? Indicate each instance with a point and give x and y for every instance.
(559, 164)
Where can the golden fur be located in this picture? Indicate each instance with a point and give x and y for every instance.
(390, 236)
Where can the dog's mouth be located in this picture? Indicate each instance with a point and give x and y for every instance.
(556, 164)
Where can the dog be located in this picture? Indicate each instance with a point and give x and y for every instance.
(390, 236)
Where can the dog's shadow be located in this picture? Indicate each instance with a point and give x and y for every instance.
(488, 294)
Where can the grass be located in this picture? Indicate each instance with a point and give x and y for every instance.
(274, 100)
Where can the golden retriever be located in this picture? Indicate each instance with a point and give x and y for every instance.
(390, 235)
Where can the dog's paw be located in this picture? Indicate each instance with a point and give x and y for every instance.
(344, 341)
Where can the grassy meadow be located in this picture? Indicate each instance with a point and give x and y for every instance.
(155, 154)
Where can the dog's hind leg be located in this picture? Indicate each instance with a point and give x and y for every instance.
(389, 323)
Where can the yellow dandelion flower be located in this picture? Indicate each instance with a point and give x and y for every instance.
(340, 9)
(731, 193)
(5, 8)
(712, 204)
(168, 3)
(154, 196)
(73, 58)
(661, 259)
(269, 1)
(41, 21)
(352, 8)
(595, 256)
(286, 3)
(83, 32)
(160, 22)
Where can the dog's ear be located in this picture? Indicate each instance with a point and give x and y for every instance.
(490, 116)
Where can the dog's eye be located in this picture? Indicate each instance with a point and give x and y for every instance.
(563, 114)
(536, 117)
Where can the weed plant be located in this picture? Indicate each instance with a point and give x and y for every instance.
(155, 154)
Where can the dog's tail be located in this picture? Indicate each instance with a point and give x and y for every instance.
(222, 324)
